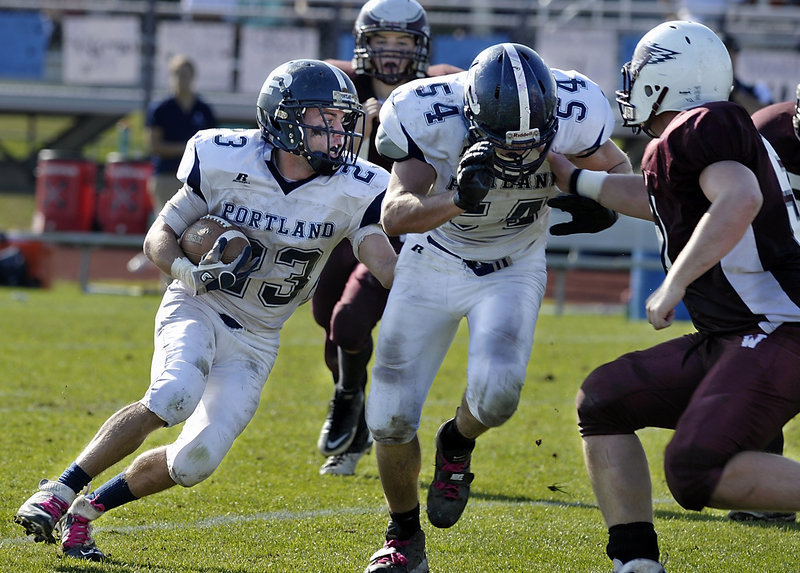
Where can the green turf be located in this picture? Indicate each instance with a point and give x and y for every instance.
(69, 360)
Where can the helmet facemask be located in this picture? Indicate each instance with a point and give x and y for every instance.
(372, 58)
(518, 155)
(345, 153)
(287, 128)
(630, 112)
(406, 17)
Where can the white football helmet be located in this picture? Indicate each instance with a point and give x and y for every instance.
(676, 66)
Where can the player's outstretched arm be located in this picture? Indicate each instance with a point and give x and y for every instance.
(624, 193)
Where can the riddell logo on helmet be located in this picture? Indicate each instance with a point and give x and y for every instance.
(526, 135)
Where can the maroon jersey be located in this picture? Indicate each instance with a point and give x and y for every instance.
(774, 122)
(364, 88)
(757, 284)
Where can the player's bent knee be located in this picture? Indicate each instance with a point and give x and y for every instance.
(349, 328)
(692, 474)
(397, 432)
(602, 410)
(177, 391)
(497, 411)
(495, 402)
(193, 463)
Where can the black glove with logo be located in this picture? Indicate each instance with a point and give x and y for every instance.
(588, 216)
(475, 175)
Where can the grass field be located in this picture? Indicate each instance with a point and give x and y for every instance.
(69, 360)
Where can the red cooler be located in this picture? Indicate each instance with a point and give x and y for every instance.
(65, 190)
(123, 205)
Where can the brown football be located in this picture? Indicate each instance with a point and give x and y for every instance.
(200, 236)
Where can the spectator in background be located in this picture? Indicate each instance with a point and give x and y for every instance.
(392, 40)
(753, 96)
(169, 124)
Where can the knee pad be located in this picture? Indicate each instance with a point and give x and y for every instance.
(397, 433)
(174, 395)
(388, 421)
(692, 472)
(189, 463)
(493, 393)
(602, 409)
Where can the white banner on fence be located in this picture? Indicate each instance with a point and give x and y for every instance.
(264, 49)
(778, 69)
(565, 49)
(102, 50)
(210, 46)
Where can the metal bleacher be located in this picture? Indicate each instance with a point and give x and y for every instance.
(94, 108)
(761, 25)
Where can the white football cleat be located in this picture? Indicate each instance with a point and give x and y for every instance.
(40, 513)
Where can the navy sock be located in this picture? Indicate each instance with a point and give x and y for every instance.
(113, 493)
(636, 540)
(75, 478)
(403, 525)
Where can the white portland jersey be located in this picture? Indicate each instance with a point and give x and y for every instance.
(294, 226)
(425, 119)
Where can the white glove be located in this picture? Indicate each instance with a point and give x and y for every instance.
(212, 273)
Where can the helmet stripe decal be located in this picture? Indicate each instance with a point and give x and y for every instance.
(338, 73)
(522, 86)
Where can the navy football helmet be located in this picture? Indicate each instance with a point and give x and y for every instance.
(510, 100)
(293, 88)
(403, 16)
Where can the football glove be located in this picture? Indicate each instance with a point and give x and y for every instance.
(211, 273)
(474, 175)
(588, 216)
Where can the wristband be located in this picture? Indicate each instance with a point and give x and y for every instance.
(587, 183)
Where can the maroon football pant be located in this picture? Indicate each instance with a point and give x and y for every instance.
(721, 394)
(347, 303)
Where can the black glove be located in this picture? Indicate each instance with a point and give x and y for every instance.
(588, 216)
(475, 175)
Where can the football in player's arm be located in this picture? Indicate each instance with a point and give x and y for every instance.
(296, 188)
